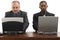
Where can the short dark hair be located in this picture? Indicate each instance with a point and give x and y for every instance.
(16, 2)
(42, 2)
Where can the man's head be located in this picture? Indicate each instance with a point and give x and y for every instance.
(43, 5)
(15, 6)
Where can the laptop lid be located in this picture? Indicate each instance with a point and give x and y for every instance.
(47, 24)
(12, 24)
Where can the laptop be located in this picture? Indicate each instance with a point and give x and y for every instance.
(47, 25)
(12, 25)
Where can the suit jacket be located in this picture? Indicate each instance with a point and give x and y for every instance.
(20, 14)
(35, 19)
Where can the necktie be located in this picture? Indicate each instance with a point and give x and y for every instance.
(15, 15)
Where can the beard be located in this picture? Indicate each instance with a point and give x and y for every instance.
(43, 11)
(15, 11)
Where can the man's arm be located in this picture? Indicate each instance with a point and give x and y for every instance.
(26, 23)
(35, 22)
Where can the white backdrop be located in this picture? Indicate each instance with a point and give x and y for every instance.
(31, 7)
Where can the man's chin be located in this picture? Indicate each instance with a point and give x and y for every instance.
(15, 12)
(43, 10)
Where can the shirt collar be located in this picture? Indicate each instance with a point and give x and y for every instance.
(43, 13)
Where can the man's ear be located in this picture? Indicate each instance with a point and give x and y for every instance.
(47, 5)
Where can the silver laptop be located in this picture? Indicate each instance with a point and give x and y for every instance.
(47, 25)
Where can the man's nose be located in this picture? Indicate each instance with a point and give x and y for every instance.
(15, 9)
(43, 7)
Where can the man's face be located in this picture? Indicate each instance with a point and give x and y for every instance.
(43, 6)
(15, 7)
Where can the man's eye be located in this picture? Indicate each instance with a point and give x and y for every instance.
(16, 7)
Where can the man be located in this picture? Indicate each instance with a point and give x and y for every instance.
(16, 12)
(43, 6)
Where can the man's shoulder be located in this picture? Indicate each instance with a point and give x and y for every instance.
(8, 11)
(7, 14)
(50, 14)
(36, 14)
(23, 12)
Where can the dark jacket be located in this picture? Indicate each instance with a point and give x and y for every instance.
(35, 19)
(20, 14)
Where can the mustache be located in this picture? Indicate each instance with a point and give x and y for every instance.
(15, 10)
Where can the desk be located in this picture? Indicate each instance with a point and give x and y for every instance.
(29, 36)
